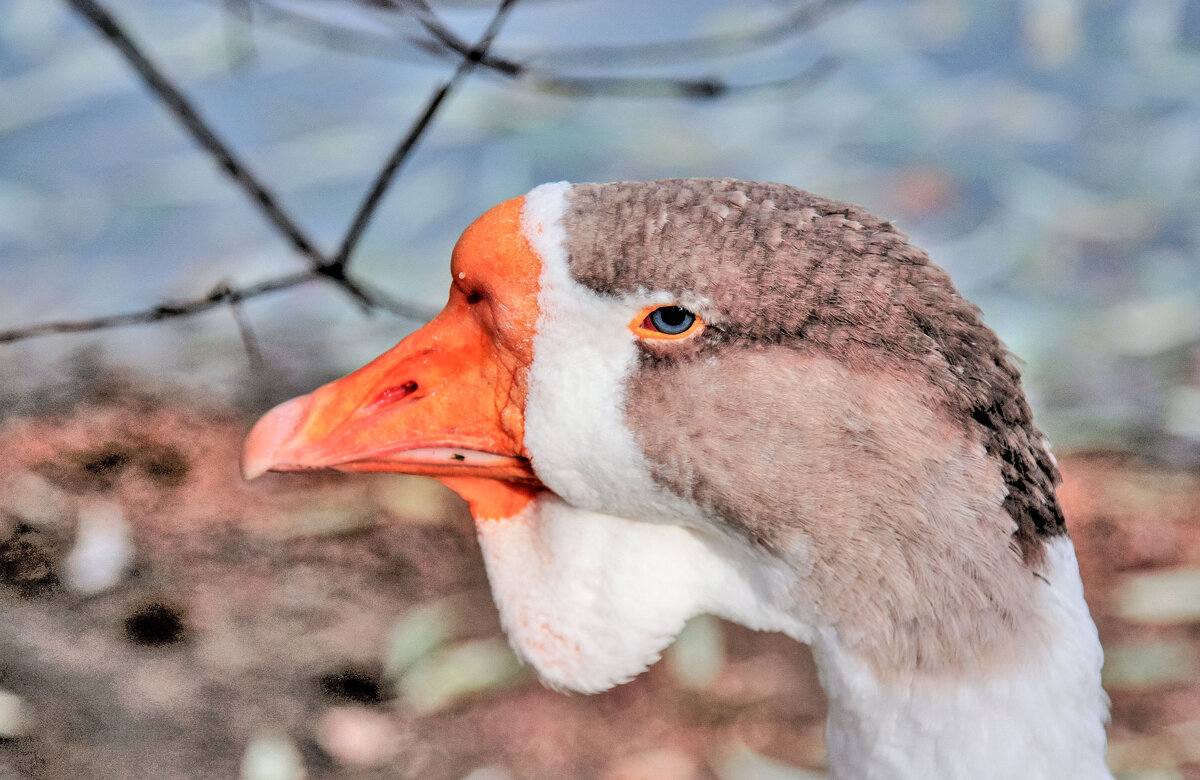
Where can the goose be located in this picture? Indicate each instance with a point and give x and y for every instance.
(686, 396)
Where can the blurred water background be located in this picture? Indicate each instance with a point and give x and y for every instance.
(1047, 152)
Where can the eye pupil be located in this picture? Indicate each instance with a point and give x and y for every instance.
(671, 320)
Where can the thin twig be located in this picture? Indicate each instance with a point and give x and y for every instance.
(791, 25)
(444, 41)
(215, 297)
(368, 296)
(386, 301)
(334, 269)
(370, 202)
(222, 153)
(453, 44)
(190, 118)
(221, 294)
(254, 354)
(686, 88)
(545, 80)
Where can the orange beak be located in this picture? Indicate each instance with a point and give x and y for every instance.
(447, 402)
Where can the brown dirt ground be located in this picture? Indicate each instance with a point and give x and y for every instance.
(265, 608)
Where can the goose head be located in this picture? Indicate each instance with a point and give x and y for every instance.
(682, 396)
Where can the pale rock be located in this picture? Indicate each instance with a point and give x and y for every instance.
(14, 716)
(697, 657)
(272, 756)
(359, 737)
(1150, 664)
(417, 500)
(415, 635)
(103, 550)
(450, 674)
(1166, 596)
(36, 502)
(489, 773)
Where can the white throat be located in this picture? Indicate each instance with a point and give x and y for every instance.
(591, 600)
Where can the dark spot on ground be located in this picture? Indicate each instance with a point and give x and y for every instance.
(94, 469)
(155, 625)
(353, 684)
(166, 465)
(26, 563)
(106, 461)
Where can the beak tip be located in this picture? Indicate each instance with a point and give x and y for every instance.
(253, 469)
(266, 443)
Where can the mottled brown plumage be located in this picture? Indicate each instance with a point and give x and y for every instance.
(769, 264)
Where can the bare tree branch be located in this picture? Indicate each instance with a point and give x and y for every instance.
(386, 301)
(217, 296)
(190, 118)
(686, 88)
(704, 47)
(221, 152)
(444, 42)
(254, 354)
(795, 23)
(332, 270)
(470, 60)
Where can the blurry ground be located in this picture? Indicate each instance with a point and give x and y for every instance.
(161, 618)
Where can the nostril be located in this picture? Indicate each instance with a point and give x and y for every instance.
(396, 393)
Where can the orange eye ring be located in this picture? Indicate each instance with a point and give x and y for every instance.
(666, 321)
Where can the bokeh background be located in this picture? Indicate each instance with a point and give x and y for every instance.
(1046, 152)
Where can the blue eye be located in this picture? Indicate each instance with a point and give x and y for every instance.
(671, 320)
(666, 322)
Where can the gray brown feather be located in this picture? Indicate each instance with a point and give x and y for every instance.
(779, 266)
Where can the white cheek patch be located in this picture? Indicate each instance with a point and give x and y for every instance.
(583, 353)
